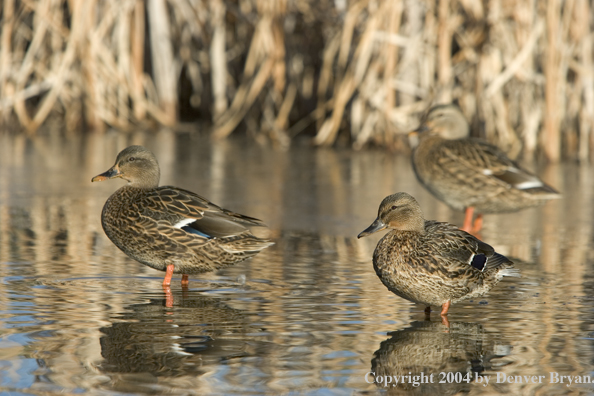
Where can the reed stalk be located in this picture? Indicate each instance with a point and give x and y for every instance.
(360, 72)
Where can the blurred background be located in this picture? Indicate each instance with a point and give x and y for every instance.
(355, 73)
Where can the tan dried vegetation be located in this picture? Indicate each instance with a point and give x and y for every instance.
(360, 71)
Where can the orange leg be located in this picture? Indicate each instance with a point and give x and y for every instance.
(468, 219)
(444, 314)
(185, 281)
(478, 223)
(168, 275)
(445, 307)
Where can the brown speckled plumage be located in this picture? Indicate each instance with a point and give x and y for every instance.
(466, 172)
(168, 226)
(429, 262)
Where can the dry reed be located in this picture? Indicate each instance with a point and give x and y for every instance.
(362, 70)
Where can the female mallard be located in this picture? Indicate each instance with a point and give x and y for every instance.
(468, 173)
(429, 262)
(168, 228)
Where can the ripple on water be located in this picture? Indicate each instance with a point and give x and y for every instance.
(306, 316)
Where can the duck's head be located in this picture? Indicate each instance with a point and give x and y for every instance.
(135, 164)
(399, 211)
(446, 121)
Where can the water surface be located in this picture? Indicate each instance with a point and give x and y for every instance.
(306, 316)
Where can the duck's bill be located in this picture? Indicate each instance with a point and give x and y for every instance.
(376, 226)
(109, 174)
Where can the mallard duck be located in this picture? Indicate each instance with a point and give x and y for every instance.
(470, 174)
(430, 262)
(168, 228)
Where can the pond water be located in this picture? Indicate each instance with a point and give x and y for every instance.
(305, 316)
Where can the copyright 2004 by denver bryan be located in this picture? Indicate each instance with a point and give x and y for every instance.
(415, 380)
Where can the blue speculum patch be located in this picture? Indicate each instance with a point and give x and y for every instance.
(479, 261)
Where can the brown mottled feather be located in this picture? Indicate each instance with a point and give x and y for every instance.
(428, 267)
(430, 262)
(469, 172)
(160, 226)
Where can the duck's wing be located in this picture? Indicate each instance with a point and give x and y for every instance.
(462, 250)
(185, 210)
(481, 163)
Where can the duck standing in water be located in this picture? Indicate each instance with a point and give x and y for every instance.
(429, 262)
(470, 174)
(171, 229)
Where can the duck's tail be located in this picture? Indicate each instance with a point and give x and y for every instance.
(504, 265)
(245, 244)
(511, 272)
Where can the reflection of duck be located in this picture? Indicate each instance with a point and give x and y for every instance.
(168, 228)
(432, 348)
(159, 342)
(468, 173)
(429, 262)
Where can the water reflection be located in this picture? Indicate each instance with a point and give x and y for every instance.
(151, 340)
(78, 316)
(161, 341)
(430, 358)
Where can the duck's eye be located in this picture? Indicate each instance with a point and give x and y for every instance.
(131, 159)
(394, 207)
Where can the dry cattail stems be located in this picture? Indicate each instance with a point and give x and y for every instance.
(364, 69)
